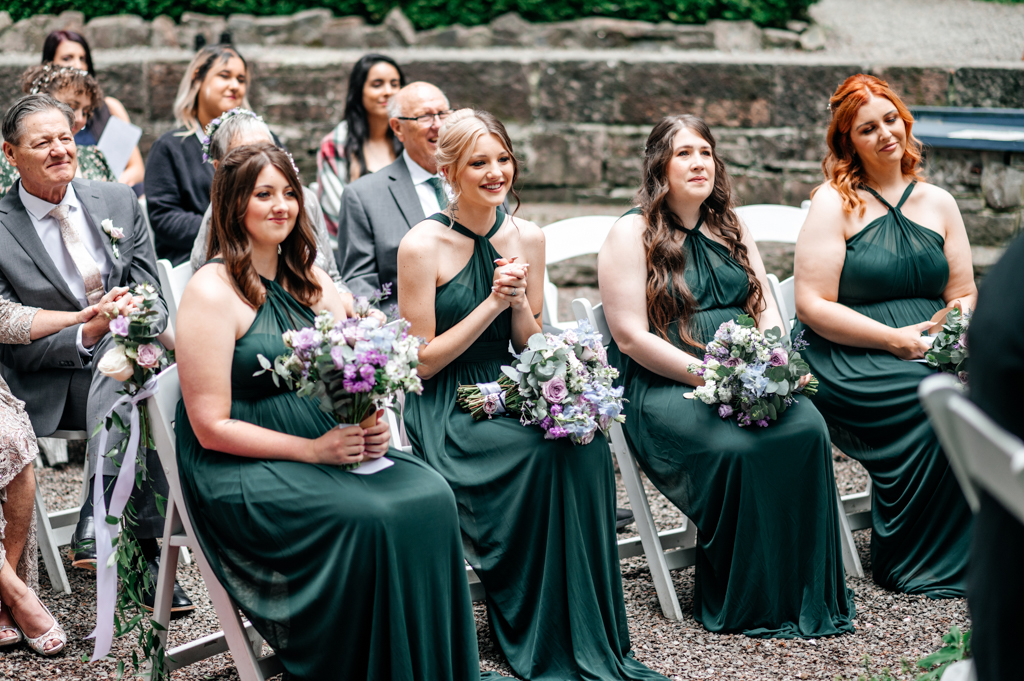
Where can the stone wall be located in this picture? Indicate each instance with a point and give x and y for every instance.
(579, 118)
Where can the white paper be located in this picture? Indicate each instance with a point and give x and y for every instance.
(373, 466)
(117, 143)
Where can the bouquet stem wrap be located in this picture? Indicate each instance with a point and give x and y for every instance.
(106, 571)
(498, 398)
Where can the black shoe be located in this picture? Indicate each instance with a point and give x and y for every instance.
(623, 517)
(179, 601)
(83, 544)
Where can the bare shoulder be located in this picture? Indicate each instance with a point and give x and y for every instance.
(210, 285)
(628, 228)
(529, 233)
(424, 235)
(826, 198)
(934, 193)
(117, 108)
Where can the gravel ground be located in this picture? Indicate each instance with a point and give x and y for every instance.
(890, 627)
(943, 31)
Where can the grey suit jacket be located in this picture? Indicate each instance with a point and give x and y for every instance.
(376, 212)
(39, 373)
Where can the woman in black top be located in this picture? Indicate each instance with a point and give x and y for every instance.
(67, 48)
(178, 184)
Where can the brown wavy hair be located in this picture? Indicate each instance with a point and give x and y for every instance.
(842, 167)
(53, 79)
(663, 248)
(233, 184)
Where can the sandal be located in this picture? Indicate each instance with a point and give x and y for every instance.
(8, 641)
(54, 633)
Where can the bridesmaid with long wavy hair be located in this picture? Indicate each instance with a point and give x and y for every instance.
(880, 254)
(769, 562)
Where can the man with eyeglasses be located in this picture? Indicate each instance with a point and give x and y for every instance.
(379, 208)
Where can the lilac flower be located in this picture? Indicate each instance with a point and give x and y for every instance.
(338, 357)
(725, 411)
(119, 326)
(555, 432)
(762, 422)
(799, 343)
(779, 357)
(304, 341)
(556, 409)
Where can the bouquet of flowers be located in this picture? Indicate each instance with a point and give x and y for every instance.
(949, 349)
(137, 355)
(751, 375)
(565, 385)
(490, 399)
(350, 366)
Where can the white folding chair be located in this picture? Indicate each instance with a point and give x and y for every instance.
(172, 284)
(145, 218)
(238, 636)
(568, 239)
(56, 529)
(770, 222)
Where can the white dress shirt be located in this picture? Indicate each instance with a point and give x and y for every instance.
(48, 229)
(425, 190)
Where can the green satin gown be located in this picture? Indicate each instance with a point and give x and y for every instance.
(769, 559)
(895, 273)
(346, 576)
(537, 516)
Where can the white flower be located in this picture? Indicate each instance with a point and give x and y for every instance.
(116, 365)
(115, 233)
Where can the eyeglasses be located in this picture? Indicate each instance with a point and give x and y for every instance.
(427, 119)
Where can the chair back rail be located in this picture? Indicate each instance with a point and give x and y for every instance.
(567, 239)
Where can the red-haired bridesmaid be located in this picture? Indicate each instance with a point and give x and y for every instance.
(880, 254)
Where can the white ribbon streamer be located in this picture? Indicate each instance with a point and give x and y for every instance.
(106, 573)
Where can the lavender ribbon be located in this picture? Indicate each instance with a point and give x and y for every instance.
(493, 389)
(106, 573)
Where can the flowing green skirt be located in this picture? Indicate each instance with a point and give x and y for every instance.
(346, 576)
(921, 523)
(538, 517)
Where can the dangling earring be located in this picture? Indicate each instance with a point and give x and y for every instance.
(279, 249)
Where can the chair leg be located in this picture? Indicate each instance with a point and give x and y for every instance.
(165, 578)
(646, 527)
(851, 559)
(48, 547)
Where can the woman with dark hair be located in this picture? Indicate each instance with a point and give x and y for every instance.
(79, 91)
(346, 576)
(769, 561)
(68, 48)
(881, 257)
(178, 189)
(364, 142)
(538, 514)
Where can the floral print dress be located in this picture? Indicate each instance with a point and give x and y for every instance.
(17, 439)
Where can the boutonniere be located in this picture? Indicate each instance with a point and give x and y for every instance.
(115, 234)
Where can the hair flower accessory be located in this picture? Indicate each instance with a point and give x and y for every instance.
(115, 234)
(212, 126)
(49, 73)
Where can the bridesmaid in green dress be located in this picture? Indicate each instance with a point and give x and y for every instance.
(538, 516)
(769, 560)
(346, 576)
(880, 254)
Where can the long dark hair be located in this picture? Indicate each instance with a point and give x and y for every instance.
(355, 111)
(232, 188)
(54, 40)
(668, 298)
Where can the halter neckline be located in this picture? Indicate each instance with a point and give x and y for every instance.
(696, 228)
(499, 219)
(903, 199)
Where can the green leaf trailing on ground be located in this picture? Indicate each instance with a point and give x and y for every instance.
(957, 647)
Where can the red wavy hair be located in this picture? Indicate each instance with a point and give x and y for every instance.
(842, 167)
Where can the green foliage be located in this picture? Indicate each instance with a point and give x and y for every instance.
(426, 14)
(958, 647)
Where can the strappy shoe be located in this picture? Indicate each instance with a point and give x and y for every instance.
(7, 641)
(54, 633)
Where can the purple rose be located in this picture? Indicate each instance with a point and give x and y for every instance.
(338, 357)
(733, 362)
(148, 356)
(725, 411)
(119, 326)
(554, 391)
(304, 341)
(779, 357)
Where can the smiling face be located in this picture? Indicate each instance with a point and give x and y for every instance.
(420, 139)
(487, 176)
(879, 133)
(70, 53)
(382, 82)
(79, 102)
(223, 88)
(691, 170)
(45, 156)
(272, 210)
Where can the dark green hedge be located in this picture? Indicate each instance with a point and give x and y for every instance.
(432, 13)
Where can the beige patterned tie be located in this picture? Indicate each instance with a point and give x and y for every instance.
(87, 267)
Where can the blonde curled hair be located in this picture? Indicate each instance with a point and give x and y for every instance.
(455, 143)
(186, 103)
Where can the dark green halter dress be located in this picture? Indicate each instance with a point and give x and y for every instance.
(769, 559)
(537, 516)
(895, 273)
(346, 576)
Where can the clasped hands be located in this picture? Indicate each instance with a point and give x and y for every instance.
(353, 444)
(911, 342)
(96, 318)
(509, 284)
